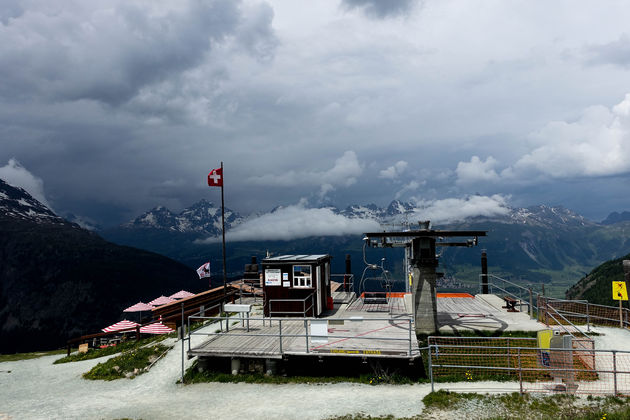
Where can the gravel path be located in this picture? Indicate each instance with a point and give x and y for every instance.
(37, 389)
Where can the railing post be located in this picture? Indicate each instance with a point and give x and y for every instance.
(306, 333)
(280, 334)
(588, 319)
(409, 320)
(430, 368)
(615, 369)
(508, 351)
(520, 371)
(531, 303)
(189, 333)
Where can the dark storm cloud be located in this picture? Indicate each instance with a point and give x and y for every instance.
(107, 55)
(381, 8)
(120, 106)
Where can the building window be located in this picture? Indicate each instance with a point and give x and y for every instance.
(302, 276)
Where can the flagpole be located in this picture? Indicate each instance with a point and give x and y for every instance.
(223, 231)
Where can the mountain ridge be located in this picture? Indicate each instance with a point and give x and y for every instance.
(59, 281)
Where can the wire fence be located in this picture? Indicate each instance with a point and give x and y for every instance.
(580, 312)
(577, 370)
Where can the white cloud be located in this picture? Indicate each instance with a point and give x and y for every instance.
(343, 173)
(476, 171)
(594, 145)
(456, 209)
(408, 188)
(296, 221)
(393, 171)
(18, 176)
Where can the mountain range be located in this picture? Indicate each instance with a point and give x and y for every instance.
(59, 281)
(539, 244)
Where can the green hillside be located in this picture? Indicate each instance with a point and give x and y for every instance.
(596, 287)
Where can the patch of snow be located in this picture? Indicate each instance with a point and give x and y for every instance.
(24, 202)
(149, 219)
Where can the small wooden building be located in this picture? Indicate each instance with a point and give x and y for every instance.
(296, 285)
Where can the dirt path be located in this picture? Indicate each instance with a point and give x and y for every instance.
(37, 389)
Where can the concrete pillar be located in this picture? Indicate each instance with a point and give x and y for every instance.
(236, 366)
(271, 367)
(425, 301)
(424, 262)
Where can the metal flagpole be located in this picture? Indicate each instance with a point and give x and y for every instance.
(223, 231)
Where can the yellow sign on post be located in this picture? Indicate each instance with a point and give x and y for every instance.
(619, 290)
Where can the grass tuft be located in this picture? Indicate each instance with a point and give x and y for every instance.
(127, 365)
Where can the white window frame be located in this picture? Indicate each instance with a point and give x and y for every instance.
(304, 281)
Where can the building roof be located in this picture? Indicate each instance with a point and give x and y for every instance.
(296, 258)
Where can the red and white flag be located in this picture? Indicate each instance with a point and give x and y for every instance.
(215, 178)
(204, 270)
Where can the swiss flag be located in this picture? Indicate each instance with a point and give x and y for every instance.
(215, 178)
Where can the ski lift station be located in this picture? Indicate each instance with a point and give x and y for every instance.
(303, 310)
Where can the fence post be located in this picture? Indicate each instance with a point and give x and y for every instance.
(280, 334)
(306, 333)
(615, 369)
(520, 372)
(409, 337)
(531, 304)
(588, 318)
(508, 351)
(430, 367)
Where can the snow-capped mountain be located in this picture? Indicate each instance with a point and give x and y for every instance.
(547, 216)
(201, 218)
(16, 203)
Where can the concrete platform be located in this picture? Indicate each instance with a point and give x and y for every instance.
(482, 313)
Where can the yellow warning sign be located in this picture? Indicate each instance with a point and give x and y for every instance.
(619, 290)
(544, 338)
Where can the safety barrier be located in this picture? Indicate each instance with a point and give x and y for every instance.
(577, 370)
(582, 312)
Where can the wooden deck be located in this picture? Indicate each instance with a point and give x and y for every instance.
(346, 331)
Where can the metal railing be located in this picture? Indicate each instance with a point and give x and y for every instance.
(523, 295)
(303, 312)
(536, 369)
(246, 290)
(586, 313)
(347, 279)
(281, 335)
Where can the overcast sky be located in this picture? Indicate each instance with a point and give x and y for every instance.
(109, 108)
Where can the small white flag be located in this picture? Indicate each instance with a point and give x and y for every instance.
(204, 270)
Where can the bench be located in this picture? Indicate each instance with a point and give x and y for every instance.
(240, 309)
(510, 304)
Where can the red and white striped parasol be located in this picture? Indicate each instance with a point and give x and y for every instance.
(139, 307)
(182, 294)
(162, 300)
(123, 325)
(156, 328)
